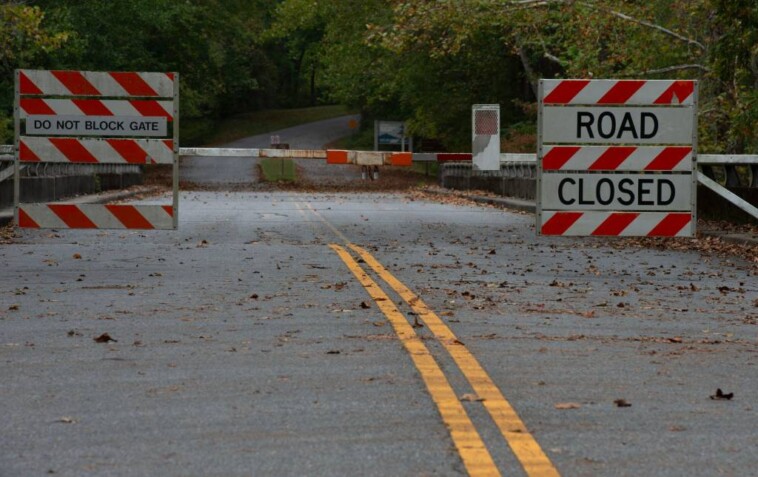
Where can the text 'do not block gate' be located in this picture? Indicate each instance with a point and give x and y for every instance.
(617, 157)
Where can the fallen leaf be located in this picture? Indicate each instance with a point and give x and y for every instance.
(365, 305)
(13, 308)
(77, 256)
(67, 420)
(622, 403)
(720, 395)
(104, 338)
(471, 397)
(567, 405)
(334, 351)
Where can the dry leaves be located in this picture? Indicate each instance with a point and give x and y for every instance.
(567, 405)
(720, 395)
(471, 397)
(7, 234)
(104, 338)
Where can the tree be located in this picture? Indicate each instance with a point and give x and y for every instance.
(23, 40)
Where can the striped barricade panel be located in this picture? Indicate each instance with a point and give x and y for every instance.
(96, 216)
(96, 107)
(617, 224)
(96, 83)
(334, 156)
(453, 156)
(401, 159)
(96, 151)
(619, 92)
(369, 158)
(617, 158)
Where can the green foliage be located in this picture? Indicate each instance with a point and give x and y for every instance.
(211, 43)
(23, 40)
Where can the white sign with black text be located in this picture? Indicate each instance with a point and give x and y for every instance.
(644, 192)
(126, 126)
(622, 125)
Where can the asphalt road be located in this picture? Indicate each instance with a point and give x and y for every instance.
(246, 345)
(243, 171)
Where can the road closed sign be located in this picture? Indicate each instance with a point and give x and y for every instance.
(617, 157)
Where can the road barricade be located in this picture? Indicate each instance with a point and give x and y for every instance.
(87, 117)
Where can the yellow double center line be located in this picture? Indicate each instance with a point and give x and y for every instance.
(471, 448)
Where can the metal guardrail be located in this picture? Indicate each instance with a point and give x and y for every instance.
(46, 169)
(523, 166)
(511, 166)
(252, 152)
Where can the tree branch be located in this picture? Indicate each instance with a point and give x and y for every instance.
(528, 4)
(659, 28)
(669, 69)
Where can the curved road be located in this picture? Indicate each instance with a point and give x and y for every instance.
(243, 171)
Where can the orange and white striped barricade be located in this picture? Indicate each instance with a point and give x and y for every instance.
(617, 158)
(89, 117)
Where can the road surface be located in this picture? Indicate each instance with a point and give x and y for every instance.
(220, 172)
(271, 335)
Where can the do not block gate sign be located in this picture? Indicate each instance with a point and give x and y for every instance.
(95, 117)
(617, 158)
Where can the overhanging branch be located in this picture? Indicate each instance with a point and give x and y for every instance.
(670, 69)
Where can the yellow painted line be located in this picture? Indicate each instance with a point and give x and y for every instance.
(328, 224)
(476, 458)
(513, 429)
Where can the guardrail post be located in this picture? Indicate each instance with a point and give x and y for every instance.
(754, 181)
(732, 178)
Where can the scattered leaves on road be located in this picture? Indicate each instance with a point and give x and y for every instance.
(567, 405)
(721, 395)
(471, 397)
(104, 338)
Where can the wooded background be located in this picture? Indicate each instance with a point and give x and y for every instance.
(424, 61)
